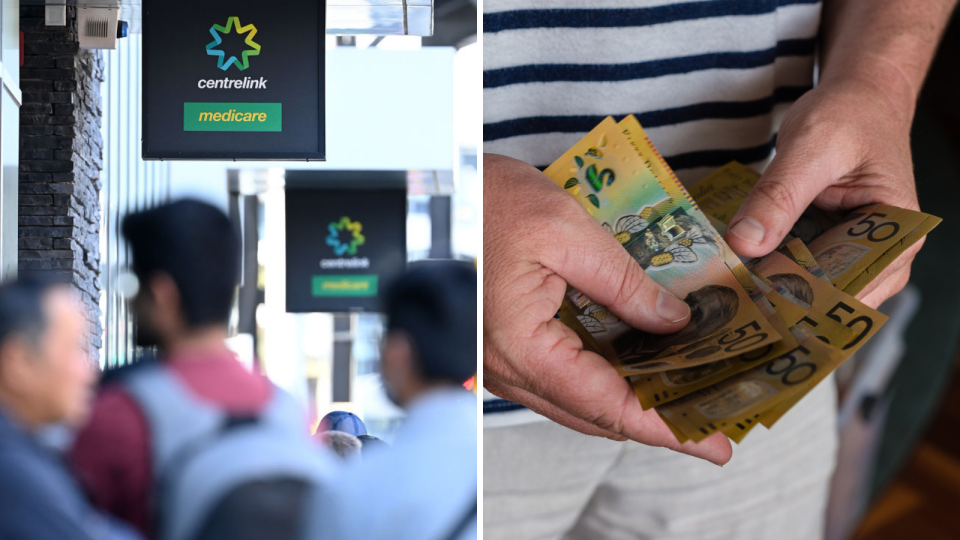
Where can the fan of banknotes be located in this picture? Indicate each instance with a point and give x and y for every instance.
(763, 332)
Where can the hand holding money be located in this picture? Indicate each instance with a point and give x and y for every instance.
(761, 336)
(840, 147)
(536, 240)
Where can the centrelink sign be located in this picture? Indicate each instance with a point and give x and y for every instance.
(240, 79)
(346, 238)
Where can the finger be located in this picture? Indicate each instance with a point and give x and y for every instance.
(889, 287)
(551, 411)
(891, 279)
(790, 183)
(715, 449)
(592, 261)
(584, 385)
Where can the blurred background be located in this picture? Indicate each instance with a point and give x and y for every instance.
(402, 97)
(899, 470)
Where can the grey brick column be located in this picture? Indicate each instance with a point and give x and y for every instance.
(61, 155)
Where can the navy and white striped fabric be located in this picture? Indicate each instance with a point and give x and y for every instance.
(709, 80)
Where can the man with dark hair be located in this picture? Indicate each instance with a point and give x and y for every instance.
(186, 259)
(430, 329)
(45, 377)
(426, 485)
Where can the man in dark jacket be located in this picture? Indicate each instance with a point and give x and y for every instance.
(45, 377)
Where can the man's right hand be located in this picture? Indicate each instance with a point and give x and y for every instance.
(536, 240)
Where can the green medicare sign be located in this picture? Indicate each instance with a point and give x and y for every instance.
(233, 79)
(357, 285)
(232, 117)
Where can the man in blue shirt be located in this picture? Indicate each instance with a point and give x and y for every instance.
(45, 378)
(425, 485)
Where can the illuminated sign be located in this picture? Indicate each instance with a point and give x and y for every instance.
(346, 237)
(249, 88)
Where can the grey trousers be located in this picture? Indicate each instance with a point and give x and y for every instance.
(543, 481)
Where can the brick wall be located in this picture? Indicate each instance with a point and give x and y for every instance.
(61, 155)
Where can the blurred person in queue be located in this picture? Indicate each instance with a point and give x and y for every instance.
(426, 485)
(45, 378)
(350, 424)
(186, 257)
(370, 444)
(344, 421)
(341, 432)
(343, 444)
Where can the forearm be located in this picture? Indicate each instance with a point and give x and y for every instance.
(888, 44)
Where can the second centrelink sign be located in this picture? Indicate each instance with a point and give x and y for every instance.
(238, 79)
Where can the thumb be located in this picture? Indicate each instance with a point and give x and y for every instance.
(791, 182)
(589, 258)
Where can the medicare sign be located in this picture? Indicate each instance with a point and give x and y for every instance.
(346, 238)
(240, 79)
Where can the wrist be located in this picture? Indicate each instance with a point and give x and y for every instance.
(887, 44)
(880, 84)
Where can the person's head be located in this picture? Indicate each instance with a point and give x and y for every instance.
(431, 329)
(186, 256)
(346, 422)
(45, 373)
(343, 444)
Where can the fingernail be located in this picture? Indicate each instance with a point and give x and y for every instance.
(750, 230)
(672, 308)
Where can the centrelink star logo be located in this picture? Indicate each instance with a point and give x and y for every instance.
(233, 23)
(356, 240)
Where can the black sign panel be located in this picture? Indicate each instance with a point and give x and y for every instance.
(346, 238)
(237, 79)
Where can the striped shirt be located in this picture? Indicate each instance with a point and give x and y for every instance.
(709, 80)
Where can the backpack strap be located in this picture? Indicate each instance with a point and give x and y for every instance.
(186, 440)
(275, 445)
(174, 415)
(466, 518)
(283, 412)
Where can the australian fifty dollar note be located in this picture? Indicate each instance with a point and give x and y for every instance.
(676, 247)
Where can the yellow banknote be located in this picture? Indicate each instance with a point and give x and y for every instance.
(722, 192)
(830, 308)
(738, 431)
(788, 309)
(792, 301)
(797, 251)
(677, 250)
(860, 239)
(681, 438)
(738, 401)
(872, 271)
(654, 389)
(680, 198)
(660, 388)
(769, 418)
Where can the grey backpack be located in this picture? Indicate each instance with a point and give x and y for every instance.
(219, 476)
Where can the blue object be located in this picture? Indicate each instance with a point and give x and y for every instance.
(122, 29)
(39, 497)
(346, 422)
